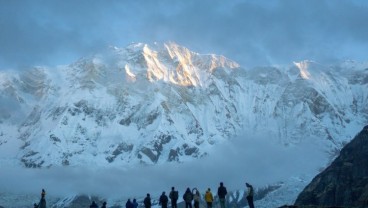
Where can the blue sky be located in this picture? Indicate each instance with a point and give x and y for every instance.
(50, 32)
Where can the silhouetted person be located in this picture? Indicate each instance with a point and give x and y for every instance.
(93, 205)
(221, 192)
(135, 203)
(104, 205)
(35, 205)
(43, 193)
(208, 197)
(250, 194)
(174, 196)
(163, 200)
(129, 204)
(147, 201)
(196, 197)
(42, 203)
(188, 198)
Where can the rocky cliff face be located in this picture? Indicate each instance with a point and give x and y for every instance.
(345, 181)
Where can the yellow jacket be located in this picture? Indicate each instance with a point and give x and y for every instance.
(208, 197)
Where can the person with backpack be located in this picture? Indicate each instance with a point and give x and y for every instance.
(208, 197)
(196, 197)
(250, 194)
(163, 200)
(147, 201)
(188, 198)
(221, 192)
(174, 195)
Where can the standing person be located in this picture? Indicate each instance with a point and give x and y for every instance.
(250, 194)
(104, 205)
(147, 201)
(208, 197)
(163, 200)
(174, 195)
(188, 197)
(129, 204)
(43, 193)
(196, 197)
(93, 205)
(135, 203)
(221, 192)
(42, 203)
(35, 205)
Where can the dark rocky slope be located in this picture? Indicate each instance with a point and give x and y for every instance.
(345, 181)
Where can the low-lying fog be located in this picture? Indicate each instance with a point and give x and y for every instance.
(257, 160)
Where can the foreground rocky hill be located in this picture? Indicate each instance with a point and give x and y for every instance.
(345, 181)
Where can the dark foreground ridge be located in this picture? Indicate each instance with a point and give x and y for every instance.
(345, 182)
(311, 206)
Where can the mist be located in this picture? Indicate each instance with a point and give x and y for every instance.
(257, 160)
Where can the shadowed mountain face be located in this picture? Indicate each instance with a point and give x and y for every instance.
(345, 181)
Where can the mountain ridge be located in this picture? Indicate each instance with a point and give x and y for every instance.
(153, 104)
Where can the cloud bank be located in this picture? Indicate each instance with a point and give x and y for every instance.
(250, 32)
(256, 160)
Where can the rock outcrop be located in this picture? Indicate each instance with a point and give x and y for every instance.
(345, 181)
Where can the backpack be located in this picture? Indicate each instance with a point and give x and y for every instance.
(188, 196)
(175, 195)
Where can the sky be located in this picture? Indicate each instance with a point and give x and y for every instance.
(251, 32)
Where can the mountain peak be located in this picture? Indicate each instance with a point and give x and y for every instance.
(306, 68)
(167, 62)
(178, 65)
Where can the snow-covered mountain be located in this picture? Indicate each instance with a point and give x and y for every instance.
(162, 103)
